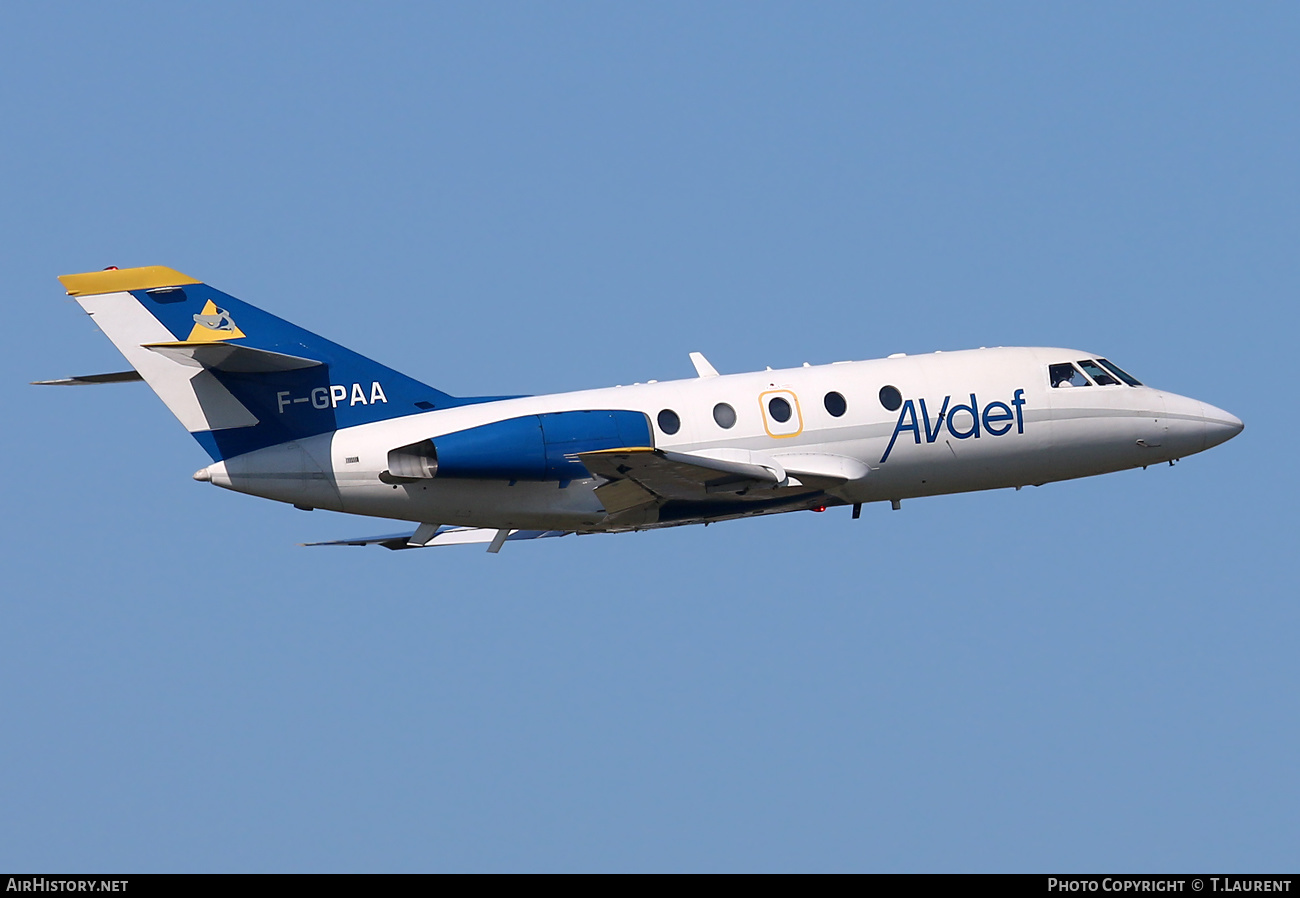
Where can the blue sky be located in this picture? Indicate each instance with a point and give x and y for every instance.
(502, 198)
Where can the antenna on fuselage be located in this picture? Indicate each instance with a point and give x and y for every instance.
(702, 366)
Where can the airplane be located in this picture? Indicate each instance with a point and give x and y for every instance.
(287, 415)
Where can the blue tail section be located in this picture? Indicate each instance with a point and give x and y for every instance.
(326, 386)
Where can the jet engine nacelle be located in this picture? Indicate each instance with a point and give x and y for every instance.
(532, 447)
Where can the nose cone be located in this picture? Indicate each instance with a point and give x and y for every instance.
(1220, 426)
(1193, 426)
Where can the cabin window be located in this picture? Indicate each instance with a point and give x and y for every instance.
(1121, 373)
(1066, 375)
(835, 404)
(669, 423)
(1098, 373)
(890, 398)
(725, 415)
(781, 415)
(779, 409)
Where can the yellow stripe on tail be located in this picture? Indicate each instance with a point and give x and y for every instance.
(120, 280)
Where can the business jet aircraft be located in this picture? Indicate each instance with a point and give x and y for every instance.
(290, 416)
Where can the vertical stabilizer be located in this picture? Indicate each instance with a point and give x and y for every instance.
(236, 377)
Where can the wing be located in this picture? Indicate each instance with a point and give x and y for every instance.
(644, 476)
(657, 487)
(443, 536)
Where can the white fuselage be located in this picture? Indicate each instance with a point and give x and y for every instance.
(1024, 431)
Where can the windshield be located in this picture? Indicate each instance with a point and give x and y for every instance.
(1121, 373)
(1097, 373)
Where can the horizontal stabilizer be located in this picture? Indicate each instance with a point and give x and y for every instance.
(117, 377)
(446, 536)
(222, 356)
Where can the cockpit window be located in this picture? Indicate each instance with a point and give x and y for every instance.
(1098, 373)
(1121, 373)
(1066, 375)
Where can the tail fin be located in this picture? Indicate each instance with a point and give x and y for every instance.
(238, 378)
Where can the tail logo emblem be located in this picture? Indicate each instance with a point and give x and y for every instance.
(213, 324)
(218, 322)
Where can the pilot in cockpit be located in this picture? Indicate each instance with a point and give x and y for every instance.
(1064, 376)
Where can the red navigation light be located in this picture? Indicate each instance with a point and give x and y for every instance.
(111, 268)
(819, 508)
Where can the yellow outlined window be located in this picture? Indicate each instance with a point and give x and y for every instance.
(782, 417)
